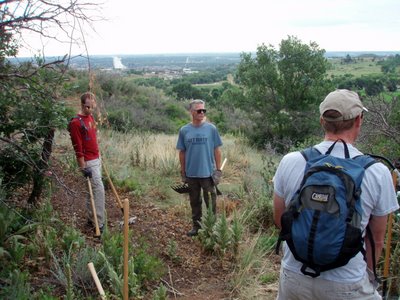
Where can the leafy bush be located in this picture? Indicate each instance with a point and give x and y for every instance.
(147, 267)
(283, 88)
(30, 110)
(121, 120)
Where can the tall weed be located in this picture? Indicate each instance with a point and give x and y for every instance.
(206, 233)
(223, 236)
(237, 233)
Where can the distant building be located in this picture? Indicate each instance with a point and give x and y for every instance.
(118, 63)
(188, 71)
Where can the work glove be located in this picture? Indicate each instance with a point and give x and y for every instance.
(216, 176)
(87, 173)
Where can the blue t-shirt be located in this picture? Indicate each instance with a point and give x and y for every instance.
(199, 143)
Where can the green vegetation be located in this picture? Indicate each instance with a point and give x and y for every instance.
(284, 87)
(356, 67)
(44, 240)
(265, 106)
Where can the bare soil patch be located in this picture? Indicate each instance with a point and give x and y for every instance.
(192, 274)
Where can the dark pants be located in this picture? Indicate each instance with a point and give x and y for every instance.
(195, 186)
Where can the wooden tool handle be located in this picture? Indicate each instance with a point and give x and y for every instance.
(96, 280)
(96, 223)
(126, 250)
(223, 163)
(112, 187)
(386, 265)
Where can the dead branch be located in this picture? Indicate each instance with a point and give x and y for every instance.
(48, 19)
(378, 120)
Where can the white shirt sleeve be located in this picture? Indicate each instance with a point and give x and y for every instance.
(378, 194)
(291, 168)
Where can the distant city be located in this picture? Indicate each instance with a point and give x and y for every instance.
(182, 62)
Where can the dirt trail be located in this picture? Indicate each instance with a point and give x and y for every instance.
(192, 274)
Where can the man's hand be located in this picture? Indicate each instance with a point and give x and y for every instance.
(183, 177)
(216, 176)
(87, 173)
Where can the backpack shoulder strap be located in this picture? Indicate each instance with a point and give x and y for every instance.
(70, 122)
(345, 148)
(84, 129)
(309, 153)
(365, 160)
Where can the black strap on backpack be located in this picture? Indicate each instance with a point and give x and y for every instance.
(368, 229)
(84, 129)
(308, 154)
(346, 148)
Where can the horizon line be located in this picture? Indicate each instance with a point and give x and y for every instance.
(210, 52)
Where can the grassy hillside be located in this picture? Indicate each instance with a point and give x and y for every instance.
(357, 68)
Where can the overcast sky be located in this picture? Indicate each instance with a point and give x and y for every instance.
(188, 26)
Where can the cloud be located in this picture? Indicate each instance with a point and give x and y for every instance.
(177, 26)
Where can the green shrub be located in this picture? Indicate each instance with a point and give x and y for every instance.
(222, 235)
(160, 293)
(17, 286)
(147, 267)
(237, 233)
(206, 233)
(12, 237)
(121, 120)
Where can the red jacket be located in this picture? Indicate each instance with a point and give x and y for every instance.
(82, 130)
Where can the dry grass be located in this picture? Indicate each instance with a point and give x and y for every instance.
(152, 160)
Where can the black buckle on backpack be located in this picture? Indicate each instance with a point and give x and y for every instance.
(316, 273)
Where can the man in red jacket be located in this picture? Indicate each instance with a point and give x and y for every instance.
(83, 134)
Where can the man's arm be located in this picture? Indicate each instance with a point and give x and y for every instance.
(279, 208)
(218, 156)
(76, 139)
(378, 230)
(182, 161)
(81, 162)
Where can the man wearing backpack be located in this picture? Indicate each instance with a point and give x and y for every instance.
(341, 118)
(83, 132)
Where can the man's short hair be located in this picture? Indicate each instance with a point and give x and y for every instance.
(194, 102)
(335, 126)
(87, 95)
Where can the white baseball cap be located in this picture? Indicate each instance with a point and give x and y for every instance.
(346, 102)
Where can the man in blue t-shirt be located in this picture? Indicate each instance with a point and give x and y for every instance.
(200, 158)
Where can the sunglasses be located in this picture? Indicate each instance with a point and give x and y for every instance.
(199, 111)
(88, 107)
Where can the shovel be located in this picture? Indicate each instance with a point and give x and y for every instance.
(183, 188)
(96, 223)
(117, 199)
(131, 220)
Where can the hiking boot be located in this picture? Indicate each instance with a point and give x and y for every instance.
(89, 223)
(193, 232)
